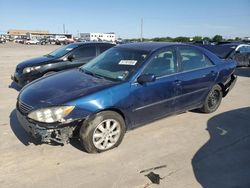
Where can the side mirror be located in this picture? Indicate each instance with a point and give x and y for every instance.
(71, 57)
(145, 78)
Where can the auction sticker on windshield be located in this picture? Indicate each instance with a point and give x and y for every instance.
(69, 49)
(127, 62)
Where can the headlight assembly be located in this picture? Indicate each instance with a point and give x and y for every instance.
(52, 114)
(29, 69)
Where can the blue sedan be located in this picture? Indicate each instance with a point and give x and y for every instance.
(125, 87)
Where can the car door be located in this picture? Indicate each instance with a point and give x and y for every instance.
(81, 55)
(155, 99)
(197, 76)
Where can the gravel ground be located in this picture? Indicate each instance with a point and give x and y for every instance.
(195, 150)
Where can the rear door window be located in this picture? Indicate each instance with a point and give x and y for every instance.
(85, 52)
(192, 59)
(162, 64)
(104, 48)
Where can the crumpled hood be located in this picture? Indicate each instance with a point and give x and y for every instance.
(61, 88)
(35, 61)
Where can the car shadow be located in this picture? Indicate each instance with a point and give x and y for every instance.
(224, 161)
(14, 85)
(243, 71)
(19, 132)
(75, 142)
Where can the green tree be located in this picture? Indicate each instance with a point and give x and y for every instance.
(197, 38)
(206, 39)
(181, 39)
(217, 38)
(237, 38)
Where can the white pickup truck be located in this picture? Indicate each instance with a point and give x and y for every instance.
(60, 39)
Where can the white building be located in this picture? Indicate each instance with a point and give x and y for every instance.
(98, 36)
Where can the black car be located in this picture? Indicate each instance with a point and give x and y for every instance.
(66, 57)
(238, 51)
(44, 41)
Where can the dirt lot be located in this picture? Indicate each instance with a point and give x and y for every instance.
(199, 150)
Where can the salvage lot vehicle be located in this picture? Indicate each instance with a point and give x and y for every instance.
(32, 41)
(44, 41)
(238, 51)
(60, 39)
(66, 57)
(2, 39)
(241, 53)
(124, 87)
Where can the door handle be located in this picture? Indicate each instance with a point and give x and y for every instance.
(177, 82)
(213, 73)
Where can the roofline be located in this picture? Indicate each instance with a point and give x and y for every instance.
(94, 42)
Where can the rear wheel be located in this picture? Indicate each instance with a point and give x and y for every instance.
(102, 132)
(213, 100)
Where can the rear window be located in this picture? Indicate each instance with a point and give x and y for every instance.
(83, 52)
(192, 59)
(104, 48)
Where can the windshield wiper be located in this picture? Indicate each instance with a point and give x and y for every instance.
(48, 55)
(91, 73)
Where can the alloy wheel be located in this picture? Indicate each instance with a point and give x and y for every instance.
(106, 134)
(213, 99)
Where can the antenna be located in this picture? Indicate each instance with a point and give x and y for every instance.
(141, 29)
(63, 28)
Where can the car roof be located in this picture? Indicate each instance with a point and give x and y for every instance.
(232, 44)
(147, 46)
(97, 43)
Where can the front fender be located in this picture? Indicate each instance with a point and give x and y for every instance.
(116, 98)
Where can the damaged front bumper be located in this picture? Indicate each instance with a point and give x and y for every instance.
(59, 134)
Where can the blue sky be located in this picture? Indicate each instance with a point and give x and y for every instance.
(229, 18)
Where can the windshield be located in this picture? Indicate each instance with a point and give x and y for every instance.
(63, 50)
(115, 64)
(244, 49)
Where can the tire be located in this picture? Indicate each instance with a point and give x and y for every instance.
(102, 132)
(213, 100)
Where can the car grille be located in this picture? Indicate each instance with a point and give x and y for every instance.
(24, 108)
(18, 69)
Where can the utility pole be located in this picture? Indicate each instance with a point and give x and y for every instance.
(63, 28)
(141, 29)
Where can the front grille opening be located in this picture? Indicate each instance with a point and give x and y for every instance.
(24, 108)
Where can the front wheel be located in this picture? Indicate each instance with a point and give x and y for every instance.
(213, 100)
(102, 132)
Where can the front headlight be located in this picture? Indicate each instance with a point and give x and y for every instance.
(52, 114)
(29, 69)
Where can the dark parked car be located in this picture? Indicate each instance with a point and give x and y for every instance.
(124, 87)
(238, 51)
(66, 57)
(2, 40)
(44, 41)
